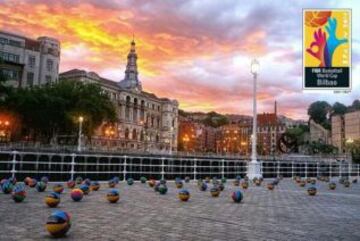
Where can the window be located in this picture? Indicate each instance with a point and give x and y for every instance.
(31, 61)
(11, 74)
(30, 79)
(49, 65)
(48, 79)
(9, 57)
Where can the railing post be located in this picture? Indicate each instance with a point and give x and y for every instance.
(13, 170)
(340, 170)
(317, 169)
(292, 169)
(195, 164)
(223, 169)
(358, 170)
(124, 170)
(330, 167)
(278, 169)
(306, 170)
(349, 170)
(72, 171)
(162, 168)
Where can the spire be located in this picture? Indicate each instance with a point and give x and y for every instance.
(131, 80)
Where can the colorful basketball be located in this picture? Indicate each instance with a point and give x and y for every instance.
(112, 183)
(130, 181)
(151, 182)
(203, 187)
(237, 196)
(215, 191)
(32, 183)
(236, 182)
(220, 186)
(52, 199)
(316, 18)
(245, 185)
(3, 181)
(163, 181)
(87, 181)
(19, 193)
(7, 187)
(58, 223)
(71, 184)
(41, 186)
(143, 179)
(113, 196)
(13, 180)
(207, 179)
(44, 179)
(163, 189)
(270, 186)
(184, 195)
(187, 179)
(76, 194)
(313, 181)
(95, 186)
(223, 180)
(332, 185)
(116, 180)
(27, 180)
(85, 188)
(302, 183)
(59, 188)
(238, 177)
(276, 181)
(257, 182)
(312, 191)
(156, 187)
(179, 184)
(215, 180)
(346, 183)
(79, 180)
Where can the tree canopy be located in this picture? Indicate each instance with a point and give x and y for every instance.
(50, 110)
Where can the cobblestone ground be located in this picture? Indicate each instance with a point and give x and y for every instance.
(287, 213)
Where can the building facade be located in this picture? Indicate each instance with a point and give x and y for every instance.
(145, 122)
(318, 133)
(345, 129)
(28, 62)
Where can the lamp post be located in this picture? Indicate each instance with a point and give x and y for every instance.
(254, 165)
(81, 119)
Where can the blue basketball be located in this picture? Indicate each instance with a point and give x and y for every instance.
(237, 196)
(203, 187)
(7, 187)
(40, 186)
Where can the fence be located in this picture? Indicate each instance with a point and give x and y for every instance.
(65, 166)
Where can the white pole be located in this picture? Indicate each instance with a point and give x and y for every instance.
(254, 137)
(124, 171)
(13, 171)
(223, 168)
(306, 167)
(162, 168)
(80, 133)
(195, 169)
(72, 171)
(278, 169)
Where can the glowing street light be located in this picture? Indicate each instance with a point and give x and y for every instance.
(81, 120)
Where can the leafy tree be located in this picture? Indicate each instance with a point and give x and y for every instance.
(318, 112)
(354, 149)
(51, 110)
(355, 105)
(215, 120)
(339, 108)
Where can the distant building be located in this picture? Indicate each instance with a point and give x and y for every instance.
(318, 133)
(145, 122)
(28, 62)
(345, 128)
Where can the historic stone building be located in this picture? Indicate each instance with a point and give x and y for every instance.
(145, 121)
(28, 62)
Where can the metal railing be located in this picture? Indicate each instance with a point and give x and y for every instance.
(65, 166)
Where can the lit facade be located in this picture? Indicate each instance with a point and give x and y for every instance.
(145, 122)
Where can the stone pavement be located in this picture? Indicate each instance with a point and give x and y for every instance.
(287, 213)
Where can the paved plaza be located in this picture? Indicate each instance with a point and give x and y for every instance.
(287, 213)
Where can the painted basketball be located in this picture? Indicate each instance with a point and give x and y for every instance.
(52, 199)
(58, 223)
(76, 195)
(113, 196)
(237, 196)
(316, 18)
(184, 195)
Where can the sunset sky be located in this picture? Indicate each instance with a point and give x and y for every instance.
(197, 52)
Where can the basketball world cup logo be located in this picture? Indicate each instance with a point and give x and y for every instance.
(326, 49)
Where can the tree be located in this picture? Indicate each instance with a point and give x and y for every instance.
(50, 110)
(355, 105)
(339, 108)
(353, 148)
(215, 120)
(318, 112)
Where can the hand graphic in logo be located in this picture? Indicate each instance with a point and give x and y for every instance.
(320, 47)
(333, 42)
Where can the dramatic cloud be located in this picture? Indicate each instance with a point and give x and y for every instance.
(198, 52)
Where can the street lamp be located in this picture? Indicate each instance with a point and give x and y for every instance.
(254, 166)
(81, 120)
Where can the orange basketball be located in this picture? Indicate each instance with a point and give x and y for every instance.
(316, 18)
